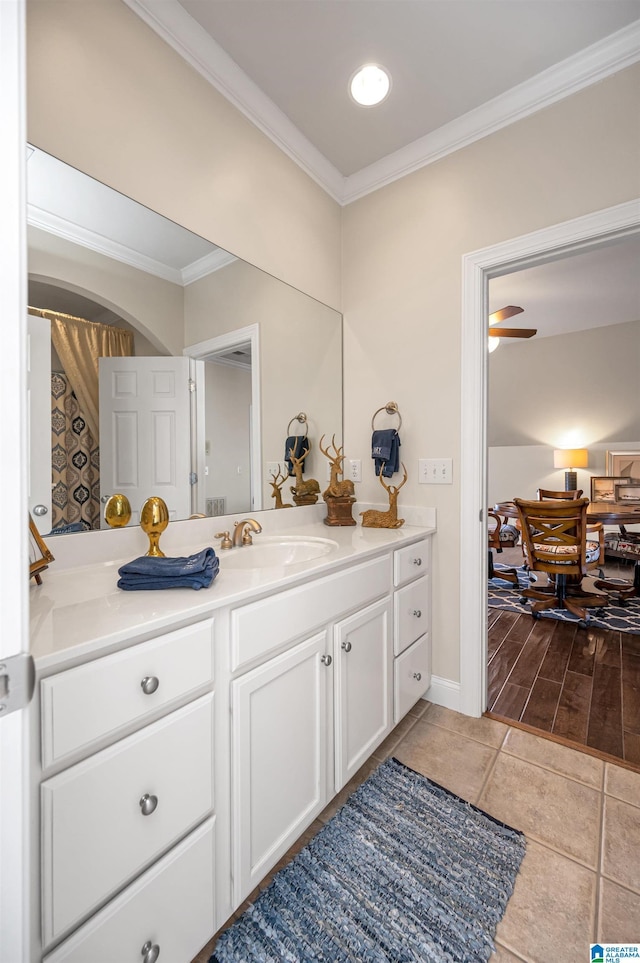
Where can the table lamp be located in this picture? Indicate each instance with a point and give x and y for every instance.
(570, 458)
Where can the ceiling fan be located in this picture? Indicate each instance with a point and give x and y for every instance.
(502, 315)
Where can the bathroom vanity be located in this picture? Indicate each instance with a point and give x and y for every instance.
(183, 740)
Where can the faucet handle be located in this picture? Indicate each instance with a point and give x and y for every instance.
(226, 540)
(246, 536)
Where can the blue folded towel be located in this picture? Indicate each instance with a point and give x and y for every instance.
(148, 572)
(300, 444)
(385, 449)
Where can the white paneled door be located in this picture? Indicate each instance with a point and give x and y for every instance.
(145, 435)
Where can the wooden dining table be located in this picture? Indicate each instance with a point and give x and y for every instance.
(608, 513)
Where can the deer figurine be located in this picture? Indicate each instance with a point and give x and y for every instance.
(304, 492)
(336, 489)
(277, 481)
(373, 518)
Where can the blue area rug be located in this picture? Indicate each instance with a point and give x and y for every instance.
(405, 871)
(618, 618)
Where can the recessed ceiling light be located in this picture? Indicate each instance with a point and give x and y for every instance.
(370, 85)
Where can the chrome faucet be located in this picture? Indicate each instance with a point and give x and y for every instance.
(242, 531)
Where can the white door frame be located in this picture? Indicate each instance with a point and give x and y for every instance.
(548, 244)
(14, 769)
(203, 350)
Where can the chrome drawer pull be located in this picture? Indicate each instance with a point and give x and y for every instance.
(417, 676)
(417, 613)
(346, 646)
(148, 805)
(149, 684)
(326, 659)
(417, 561)
(150, 951)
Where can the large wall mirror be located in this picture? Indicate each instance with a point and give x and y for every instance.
(205, 362)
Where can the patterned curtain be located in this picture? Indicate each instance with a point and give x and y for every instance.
(75, 461)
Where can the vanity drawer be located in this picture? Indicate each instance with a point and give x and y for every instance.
(95, 836)
(264, 626)
(412, 561)
(411, 676)
(171, 906)
(98, 699)
(411, 613)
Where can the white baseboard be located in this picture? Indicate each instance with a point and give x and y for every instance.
(444, 692)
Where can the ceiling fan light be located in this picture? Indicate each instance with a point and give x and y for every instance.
(493, 344)
(369, 85)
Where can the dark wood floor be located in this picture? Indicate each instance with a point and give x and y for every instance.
(581, 685)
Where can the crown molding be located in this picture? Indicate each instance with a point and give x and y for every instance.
(69, 231)
(177, 28)
(171, 22)
(594, 63)
(206, 265)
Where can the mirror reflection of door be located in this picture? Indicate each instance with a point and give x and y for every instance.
(228, 432)
(145, 443)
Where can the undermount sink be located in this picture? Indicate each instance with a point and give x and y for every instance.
(272, 551)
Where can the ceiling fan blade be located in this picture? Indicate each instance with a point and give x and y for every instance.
(508, 312)
(512, 332)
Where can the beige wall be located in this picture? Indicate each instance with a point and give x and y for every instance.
(568, 391)
(300, 355)
(107, 95)
(402, 251)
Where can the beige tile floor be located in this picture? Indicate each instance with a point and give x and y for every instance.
(580, 879)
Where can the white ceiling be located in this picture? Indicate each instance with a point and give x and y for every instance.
(446, 58)
(461, 69)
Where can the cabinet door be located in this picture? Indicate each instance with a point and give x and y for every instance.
(279, 733)
(363, 687)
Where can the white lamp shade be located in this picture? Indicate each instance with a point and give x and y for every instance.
(570, 458)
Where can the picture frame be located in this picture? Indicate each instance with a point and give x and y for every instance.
(603, 487)
(39, 555)
(623, 464)
(628, 494)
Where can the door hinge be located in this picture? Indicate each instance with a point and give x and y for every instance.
(17, 682)
(481, 514)
(192, 385)
(193, 477)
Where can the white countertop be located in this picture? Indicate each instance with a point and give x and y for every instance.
(79, 612)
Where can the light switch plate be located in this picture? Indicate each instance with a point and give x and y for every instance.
(435, 471)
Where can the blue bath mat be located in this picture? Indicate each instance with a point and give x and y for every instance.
(405, 871)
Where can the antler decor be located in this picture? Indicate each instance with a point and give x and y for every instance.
(373, 518)
(304, 492)
(339, 494)
(277, 481)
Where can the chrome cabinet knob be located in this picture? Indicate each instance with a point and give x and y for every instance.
(346, 646)
(417, 676)
(149, 684)
(417, 561)
(40, 510)
(104, 499)
(417, 613)
(326, 659)
(148, 805)
(150, 952)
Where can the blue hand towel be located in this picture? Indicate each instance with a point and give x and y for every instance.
(147, 572)
(300, 444)
(385, 449)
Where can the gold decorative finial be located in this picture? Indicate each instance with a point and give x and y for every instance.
(117, 511)
(154, 518)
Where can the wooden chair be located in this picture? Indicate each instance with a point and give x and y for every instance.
(494, 524)
(554, 533)
(547, 494)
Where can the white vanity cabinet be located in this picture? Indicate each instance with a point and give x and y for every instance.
(124, 826)
(291, 752)
(177, 765)
(412, 625)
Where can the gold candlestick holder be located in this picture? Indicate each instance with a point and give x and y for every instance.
(154, 518)
(117, 511)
